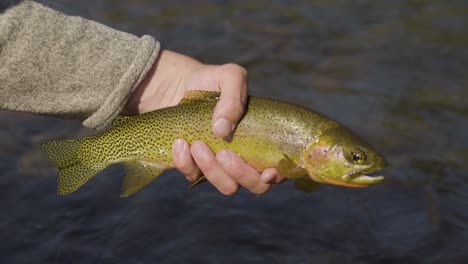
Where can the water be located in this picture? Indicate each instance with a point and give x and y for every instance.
(393, 71)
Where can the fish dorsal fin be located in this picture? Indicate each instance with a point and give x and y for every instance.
(288, 168)
(120, 120)
(306, 184)
(198, 95)
(138, 174)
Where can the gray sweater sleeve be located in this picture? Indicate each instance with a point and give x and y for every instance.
(67, 66)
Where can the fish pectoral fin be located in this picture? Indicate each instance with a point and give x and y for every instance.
(306, 184)
(138, 175)
(198, 181)
(199, 95)
(288, 168)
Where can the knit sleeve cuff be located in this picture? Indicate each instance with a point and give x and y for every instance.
(137, 71)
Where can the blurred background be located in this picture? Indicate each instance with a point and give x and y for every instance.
(394, 71)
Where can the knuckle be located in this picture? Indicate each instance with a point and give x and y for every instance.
(236, 173)
(235, 168)
(232, 68)
(207, 166)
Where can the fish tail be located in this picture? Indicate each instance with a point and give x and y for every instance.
(73, 172)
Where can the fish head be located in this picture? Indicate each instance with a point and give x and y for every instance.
(339, 157)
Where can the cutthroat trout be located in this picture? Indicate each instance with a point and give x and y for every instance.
(299, 143)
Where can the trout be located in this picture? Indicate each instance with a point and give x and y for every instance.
(301, 144)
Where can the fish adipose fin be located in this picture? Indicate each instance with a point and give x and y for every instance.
(138, 175)
(306, 184)
(198, 95)
(73, 173)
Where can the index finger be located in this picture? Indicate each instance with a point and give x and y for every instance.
(231, 105)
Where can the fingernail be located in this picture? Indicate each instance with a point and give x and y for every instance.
(179, 146)
(223, 127)
(224, 158)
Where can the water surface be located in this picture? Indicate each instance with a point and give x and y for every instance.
(393, 71)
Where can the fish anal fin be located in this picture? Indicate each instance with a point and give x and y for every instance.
(199, 95)
(138, 174)
(288, 168)
(306, 184)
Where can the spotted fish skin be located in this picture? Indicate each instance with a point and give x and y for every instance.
(269, 132)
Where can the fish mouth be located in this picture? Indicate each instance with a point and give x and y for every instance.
(355, 179)
(359, 179)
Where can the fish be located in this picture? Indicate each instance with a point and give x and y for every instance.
(303, 145)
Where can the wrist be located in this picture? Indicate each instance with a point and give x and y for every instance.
(136, 101)
(162, 83)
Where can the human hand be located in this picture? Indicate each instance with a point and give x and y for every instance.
(165, 85)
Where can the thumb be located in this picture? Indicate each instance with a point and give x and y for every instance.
(232, 83)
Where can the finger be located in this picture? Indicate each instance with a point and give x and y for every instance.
(241, 172)
(271, 176)
(206, 161)
(183, 160)
(230, 107)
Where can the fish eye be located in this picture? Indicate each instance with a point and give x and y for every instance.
(358, 156)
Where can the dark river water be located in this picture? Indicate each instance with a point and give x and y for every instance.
(393, 71)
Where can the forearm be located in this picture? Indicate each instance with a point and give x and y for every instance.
(67, 66)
